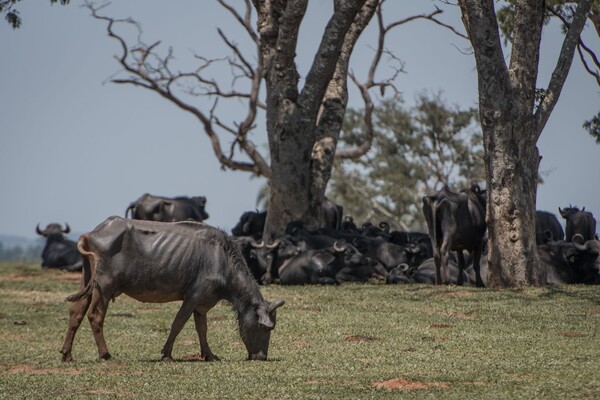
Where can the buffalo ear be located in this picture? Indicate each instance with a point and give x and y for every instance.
(264, 319)
(275, 305)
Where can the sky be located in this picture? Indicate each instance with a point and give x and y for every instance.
(76, 148)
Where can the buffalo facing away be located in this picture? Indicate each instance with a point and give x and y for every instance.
(157, 208)
(161, 262)
(59, 252)
(456, 221)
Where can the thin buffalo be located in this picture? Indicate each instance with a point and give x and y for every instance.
(165, 209)
(161, 262)
(59, 252)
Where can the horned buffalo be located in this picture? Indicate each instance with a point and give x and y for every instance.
(571, 262)
(157, 208)
(59, 252)
(321, 265)
(456, 221)
(161, 262)
(578, 222)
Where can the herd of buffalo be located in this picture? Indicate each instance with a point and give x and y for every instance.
(340, 250)
(164, 252)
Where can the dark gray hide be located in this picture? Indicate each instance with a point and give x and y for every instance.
(59, 252)
(571, 262)
(319, 266)
(578, 222)
(456, 221)
(165, 209)
(160, 262)
(547, 228)
(251, 223)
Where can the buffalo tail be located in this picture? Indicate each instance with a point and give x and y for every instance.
(88, 272)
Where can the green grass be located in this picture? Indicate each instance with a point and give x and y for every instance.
(330, 342)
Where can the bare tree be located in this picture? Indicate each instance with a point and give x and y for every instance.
(512, 123)
(302, 122)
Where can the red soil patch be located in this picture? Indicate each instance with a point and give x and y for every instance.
(362, 338)
(69, 277)
(403, 384)
(301, 343)
(574, 334)
(592, 312)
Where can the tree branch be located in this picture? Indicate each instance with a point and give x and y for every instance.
(563, 66)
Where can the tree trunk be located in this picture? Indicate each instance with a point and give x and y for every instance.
(511, 197)
(301, 144)
(511, 127)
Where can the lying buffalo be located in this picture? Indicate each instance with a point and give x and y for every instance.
(59, 252)
(160, 262)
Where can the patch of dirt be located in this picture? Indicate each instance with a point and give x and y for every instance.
(363, 338)
(574, 334)
(592, 312)
(404, 384)
(409, 349)
(192, 357)
(301, 343)
(34, 296)
(68, 276)
(31, 370)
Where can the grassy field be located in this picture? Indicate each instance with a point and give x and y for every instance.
(354, 341)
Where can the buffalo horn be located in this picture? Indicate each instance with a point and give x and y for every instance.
(39, 232)
(67, 228)
(273, 245)
(404, 267)
(578, 238)
(259, 245)
(338, 249)
(275, 304)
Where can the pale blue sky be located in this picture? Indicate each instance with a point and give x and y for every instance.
(75, 148)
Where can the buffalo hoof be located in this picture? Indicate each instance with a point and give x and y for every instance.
(210, 357)
(167, 359)
(105, 356)
(67, 357)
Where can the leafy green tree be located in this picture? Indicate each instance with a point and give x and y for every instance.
(414, 152)
(11, 14)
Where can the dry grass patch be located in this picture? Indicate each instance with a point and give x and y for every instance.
(404, 384)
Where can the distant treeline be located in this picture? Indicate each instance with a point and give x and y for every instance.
(19, 253)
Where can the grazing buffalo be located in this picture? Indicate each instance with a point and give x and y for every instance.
(165, 209)
(59, 251)
(547, 228)
(578, 222)
(456, 221)
(161, 262)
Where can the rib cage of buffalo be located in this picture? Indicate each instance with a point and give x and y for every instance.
(59, 252)
(165, 209)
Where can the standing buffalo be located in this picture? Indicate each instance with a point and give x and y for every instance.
(165, 209)
(157, 263)
(578, 222)
(59, 251)
(456, 221)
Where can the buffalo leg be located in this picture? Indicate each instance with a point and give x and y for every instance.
(76, 314)
(205, 352)
(445, 251)
(181, 318)
(476, 267)
(96, 316)
(461, 267)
